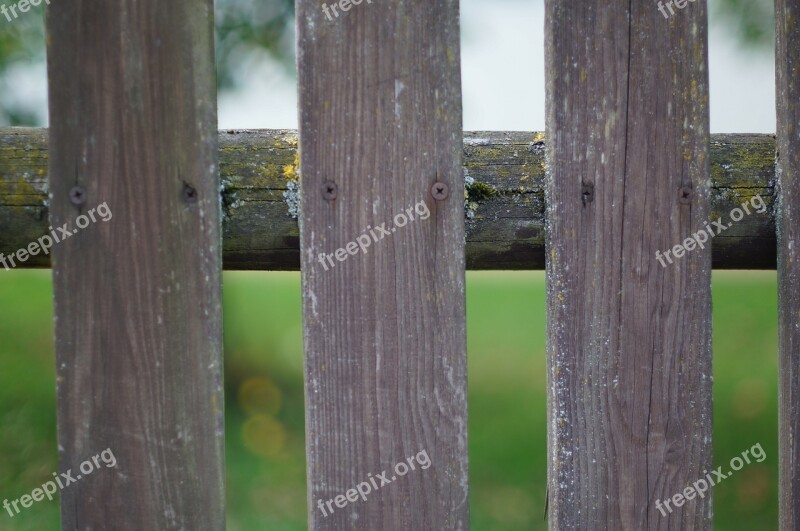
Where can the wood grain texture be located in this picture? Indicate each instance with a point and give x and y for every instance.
(787, 69)
(506, 202)
(385, 339)
(137, 298)
(629, 342)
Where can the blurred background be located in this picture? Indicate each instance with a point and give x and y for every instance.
(503, 78)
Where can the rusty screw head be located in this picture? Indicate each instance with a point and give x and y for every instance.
(439, 191)
(329, 190)
(189, 193)
(685, 196)
(77, 196)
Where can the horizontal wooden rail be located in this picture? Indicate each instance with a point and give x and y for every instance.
(504, 173)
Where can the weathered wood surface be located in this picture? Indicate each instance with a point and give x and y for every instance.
(787, 63)
(137, 297)
(385, 338)
(507, 206)
(629, 342)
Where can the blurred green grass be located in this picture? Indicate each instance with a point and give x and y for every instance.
(506, 328)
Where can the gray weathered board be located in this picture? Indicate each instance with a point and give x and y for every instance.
(629, 342)
(506, 204)
(137, 297)
(787, 56)
(384, 330)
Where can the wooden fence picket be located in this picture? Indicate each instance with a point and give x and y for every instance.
(138, 297)
(629, 341)
(384, 327)
(787, 217)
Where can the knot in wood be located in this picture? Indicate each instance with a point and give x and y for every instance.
(587, 193)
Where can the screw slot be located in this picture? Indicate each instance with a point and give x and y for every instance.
(439, 191)
(685, 195)
(329, 191)
(189, 193)
(77, 195)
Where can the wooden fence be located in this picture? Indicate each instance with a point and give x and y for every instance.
(631, 169)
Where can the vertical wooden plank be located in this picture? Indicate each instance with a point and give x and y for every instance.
(138, 315)
(628, 340)
(787, 220)
(380, 119)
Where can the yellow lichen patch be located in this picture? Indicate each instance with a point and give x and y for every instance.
(24, 191)
(538, 137)
(451, 56)
(282, 141)
(291, 172)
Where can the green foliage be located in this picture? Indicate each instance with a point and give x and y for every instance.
(245, 26)
(753, 20)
